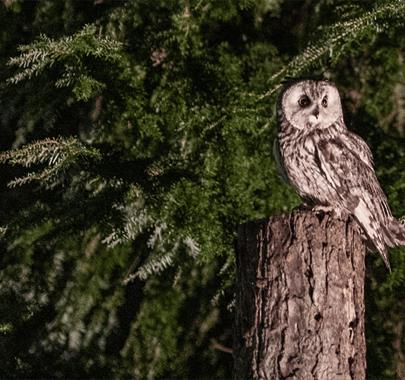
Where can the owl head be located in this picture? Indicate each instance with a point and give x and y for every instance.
(310, 104)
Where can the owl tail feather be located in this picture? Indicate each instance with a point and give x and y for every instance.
(394, 235)
(379, 236)
(384, 255)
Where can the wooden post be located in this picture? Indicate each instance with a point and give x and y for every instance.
(300, 299)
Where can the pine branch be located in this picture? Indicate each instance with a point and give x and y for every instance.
(57, 155)
(156, 265)
(335, 38)
(69, 52)
(135, 219)
(3, 230)
(163, 243)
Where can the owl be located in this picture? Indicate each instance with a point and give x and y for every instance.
(330, 167)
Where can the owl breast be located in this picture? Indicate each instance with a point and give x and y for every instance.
(301, 162)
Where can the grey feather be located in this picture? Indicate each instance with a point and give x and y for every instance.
(278, 159)
(330, 165)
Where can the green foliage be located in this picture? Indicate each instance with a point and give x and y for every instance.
(58, 155)
(70, 53)
(137, 136)
(338, 39)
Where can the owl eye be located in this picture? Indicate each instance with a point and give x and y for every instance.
(325, 101)
(304, 101)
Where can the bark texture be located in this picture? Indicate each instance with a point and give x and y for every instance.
(300, 299)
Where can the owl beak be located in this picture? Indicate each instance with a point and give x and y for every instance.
(316, 112)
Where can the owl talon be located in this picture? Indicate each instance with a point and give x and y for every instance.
(336, 212)
(322, 209)
(304, 207)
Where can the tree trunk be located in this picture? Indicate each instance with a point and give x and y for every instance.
(300, 299)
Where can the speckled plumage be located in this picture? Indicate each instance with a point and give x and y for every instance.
(329, 166)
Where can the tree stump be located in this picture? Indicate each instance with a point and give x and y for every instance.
(300, 299)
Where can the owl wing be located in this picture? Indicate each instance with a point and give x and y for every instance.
(346, 163)
(356, 144)
(279, 161)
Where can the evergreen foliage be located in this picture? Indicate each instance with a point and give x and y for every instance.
(136, 136)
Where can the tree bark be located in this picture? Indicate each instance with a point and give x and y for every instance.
(300, 299)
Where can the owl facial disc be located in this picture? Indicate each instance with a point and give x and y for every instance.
(311, 104)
